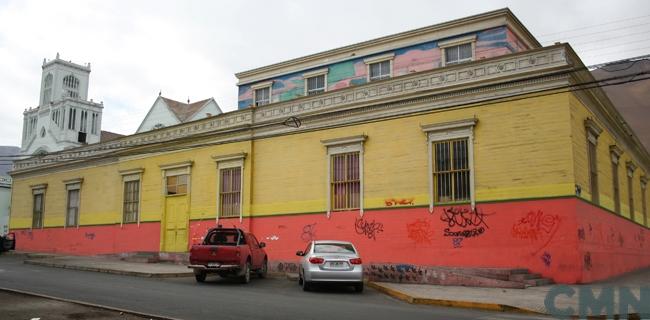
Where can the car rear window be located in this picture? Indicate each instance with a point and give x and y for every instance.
(334, 248)
(223, 238)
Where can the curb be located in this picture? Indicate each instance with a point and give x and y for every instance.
(111, 271)
(451, 303)
(88, 304)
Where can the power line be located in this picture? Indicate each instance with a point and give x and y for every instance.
(593, 26)
(603, 31)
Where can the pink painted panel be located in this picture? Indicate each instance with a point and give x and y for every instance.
(91, 240)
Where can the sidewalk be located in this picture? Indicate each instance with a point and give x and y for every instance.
(530, 300)
(109, 265)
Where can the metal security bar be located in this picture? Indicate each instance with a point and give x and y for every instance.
(131, 201)
(37, 217)
(72, 214)
(230, 192)
(345, 180)
(451, 171)
(593, 172)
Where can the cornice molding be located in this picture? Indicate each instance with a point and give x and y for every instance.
(131, 171)
(229, 157)
(344, 140)
(176, 165)
(449, 125)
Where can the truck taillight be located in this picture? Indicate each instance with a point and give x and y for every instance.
(11, 236)
(355, 261)
(316, 260)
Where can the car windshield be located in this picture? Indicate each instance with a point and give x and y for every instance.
(222, 238)
(334, 248)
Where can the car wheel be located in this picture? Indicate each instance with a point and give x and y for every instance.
(300, 278)
(264, 269)
(306, 286)
(200, 276)
(246, 276)
(358, 287)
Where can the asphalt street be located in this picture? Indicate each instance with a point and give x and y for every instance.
(183, 298)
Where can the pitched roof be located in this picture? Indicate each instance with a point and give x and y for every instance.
(631, 99)
(184, 111)
(108, 136)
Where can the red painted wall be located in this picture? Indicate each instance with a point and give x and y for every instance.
(608, 244)
(91, 240)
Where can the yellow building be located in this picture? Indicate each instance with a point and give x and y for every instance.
(465, 143)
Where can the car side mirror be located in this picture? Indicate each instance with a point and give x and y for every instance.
(262, 244)
(300, 253)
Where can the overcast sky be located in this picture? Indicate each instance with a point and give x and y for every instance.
(193, 48)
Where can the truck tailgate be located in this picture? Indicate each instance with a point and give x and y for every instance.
(204, 254)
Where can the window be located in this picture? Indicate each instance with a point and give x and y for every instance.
(38, 194)
(451, 171)
(94, 123)
(177, 185)
(458, 50)
(72, 115)
(630, 187)
(177, 178)
(345, 176)
(131, 199)
(71, 86)
(615, 153)
(231, 173)
(593, 131)
(315, 84)
(644, 196)
(47, 89)
(380, 67)
(451, 161)
(83, 121)
(73, 188)
(262, 93)
(342, 248)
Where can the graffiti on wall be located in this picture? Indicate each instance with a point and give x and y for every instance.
(272, 238)
(546, 259)
(457, 242)
(308, 232)
(89, 235)
(399, 202)
(464, 222)
(287, 267)
(536, 226)
(28, 233)
(587, 260)
(367, 228)
(640, 237)
(396, 273)
(420, 231)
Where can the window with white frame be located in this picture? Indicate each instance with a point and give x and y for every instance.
(71, 86)
(631, 167)
(615, 153)
(38, 205)
(73, 188)
(72, 118)
(94, 123)
(177, 178)
(315, 81)
(593, 131)
(131, 195)
(262, 93)
(451, 161)
(345, 173)
(230, 185)
(380, 67)
(458, 50)
(83, 121)
(47, 89)
(644, 196)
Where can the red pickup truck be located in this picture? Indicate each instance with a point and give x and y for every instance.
(228, 252)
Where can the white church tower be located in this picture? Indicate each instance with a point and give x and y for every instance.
(64, 117)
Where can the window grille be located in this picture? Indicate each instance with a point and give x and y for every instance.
(345, 180)
(451, 171)
(593, 172)
(37, 217)
(617, 192)
(230, 192)
(72, 212)
(630, 195)
(131, 201)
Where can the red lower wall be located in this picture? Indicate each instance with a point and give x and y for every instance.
(91, 239)
(567, 240)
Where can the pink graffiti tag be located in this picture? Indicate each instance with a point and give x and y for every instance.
(536, 226)
(420, 231)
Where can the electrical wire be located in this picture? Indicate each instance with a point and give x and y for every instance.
(593, 26)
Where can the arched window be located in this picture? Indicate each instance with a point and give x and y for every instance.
(71, 86)
(47, 89)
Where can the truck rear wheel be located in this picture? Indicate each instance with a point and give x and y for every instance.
(246, 275)
(264, 269)
(200, 276)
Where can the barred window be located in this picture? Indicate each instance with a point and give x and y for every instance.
(451, 171)
(593, 171)
(131, 201)
(644, 204)
(177, 185)
(617, 191)
(72, 212)
(345, 180)
(230, 192)
(316, 84)
(37, 217)
(630, 194)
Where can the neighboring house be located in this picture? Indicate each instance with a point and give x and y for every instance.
(166, 112)
(6, 153)
(64, 118)
(459, 144)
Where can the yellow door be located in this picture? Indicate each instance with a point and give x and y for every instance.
(176, 224)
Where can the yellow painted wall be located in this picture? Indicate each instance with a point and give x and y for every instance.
(522, 150)
(604, 164)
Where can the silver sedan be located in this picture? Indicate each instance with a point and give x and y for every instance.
(329, 261)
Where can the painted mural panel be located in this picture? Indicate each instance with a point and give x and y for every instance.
(426, 56)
